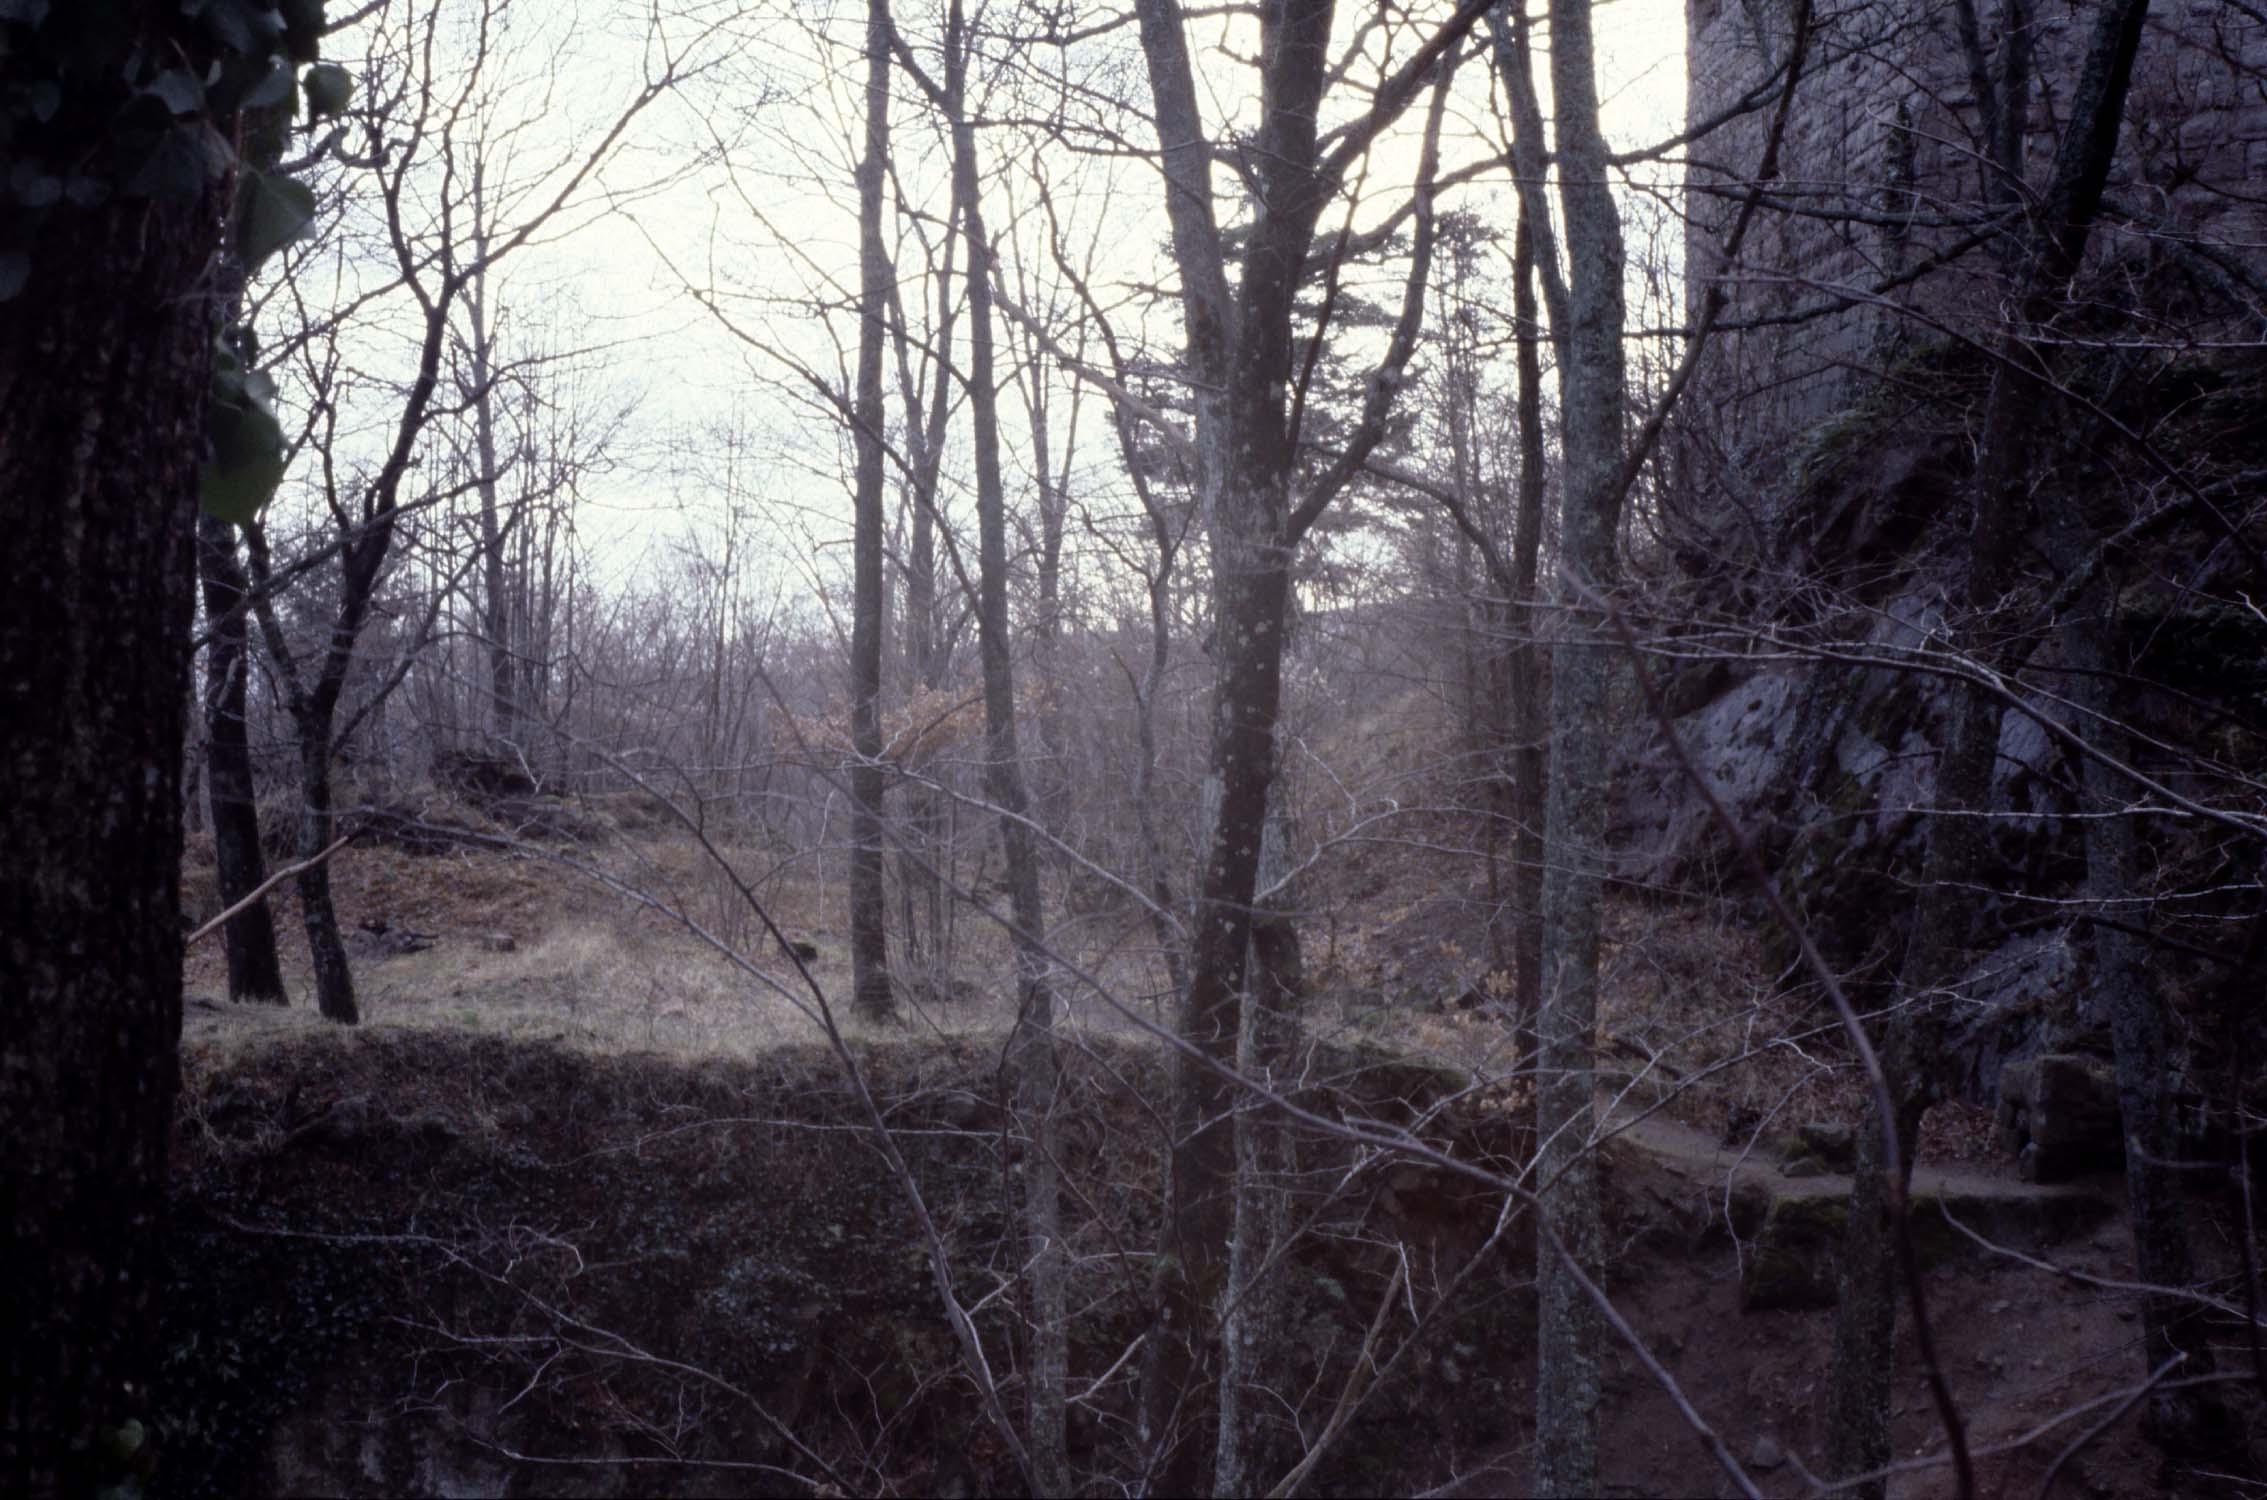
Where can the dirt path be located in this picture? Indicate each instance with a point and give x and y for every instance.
(1698, 1155)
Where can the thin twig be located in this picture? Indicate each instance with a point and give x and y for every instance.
(264, 887)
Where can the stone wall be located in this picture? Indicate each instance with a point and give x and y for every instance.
(1884, 171)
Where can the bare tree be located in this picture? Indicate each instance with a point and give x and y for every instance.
(1858, 1409)
(1240, 361)
(1032, 1060)
(1535, 258)
(1591, 401)
(419, 117)
(869, 934)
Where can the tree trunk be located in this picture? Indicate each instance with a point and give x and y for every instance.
(495, 591)
(1530, 685)
(1858, 1409)
(2186, 1421)
(105, 356)
(1535, 259)
(871, 992)
(1034, 1065)
(925, 941)
(314, 716)
(1569, 1328)
(1157, 586)
(1254, 1320)
(318, 824)
(254, 971)
(1180, 1362)
(1239, 351)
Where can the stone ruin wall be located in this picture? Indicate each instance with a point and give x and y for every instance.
(1885, 130)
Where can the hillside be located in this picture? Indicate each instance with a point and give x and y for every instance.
(599, 1216)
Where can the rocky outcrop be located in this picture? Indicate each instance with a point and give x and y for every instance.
(1794, 1259)
(1817, 729)
(1683, 1190)
(1830, 768)
(2058, 1116)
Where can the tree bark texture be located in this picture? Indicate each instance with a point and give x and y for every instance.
(255, 972)
(1254, 1439)
(1591, 384)
(1530, 685)
(871, 992)
(104, 361)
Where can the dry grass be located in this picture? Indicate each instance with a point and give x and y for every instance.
(647, 947)
(602, 958)
(1691, 1024)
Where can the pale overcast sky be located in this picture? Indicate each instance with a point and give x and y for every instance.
(573, 65)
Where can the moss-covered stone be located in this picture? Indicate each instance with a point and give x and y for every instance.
(1792, 1262)
(1793, 1258)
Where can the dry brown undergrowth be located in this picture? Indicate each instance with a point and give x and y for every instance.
(1396, 957)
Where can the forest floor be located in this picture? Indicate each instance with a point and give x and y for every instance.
(562, 1056)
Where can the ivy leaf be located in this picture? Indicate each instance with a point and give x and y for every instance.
(245, 449)
(30, 12)
(273, 88)
(15, 269)
(226, 23)
(176, 166)
(32, 187)
(179, 90)
(328, 87)
(247, 461)
(228, 375)
(271, 211)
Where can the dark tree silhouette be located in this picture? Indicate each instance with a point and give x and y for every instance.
(106, 336)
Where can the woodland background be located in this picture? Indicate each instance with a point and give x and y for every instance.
(1207, 749)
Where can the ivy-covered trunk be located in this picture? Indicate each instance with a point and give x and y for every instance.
(105, 352)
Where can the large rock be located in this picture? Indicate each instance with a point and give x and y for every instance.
(1795, 1260)
(1830, 768)
(2021, 998)
(1677, 1189)
(2059, 1116)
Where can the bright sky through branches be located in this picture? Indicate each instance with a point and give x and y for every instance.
(738, 193)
